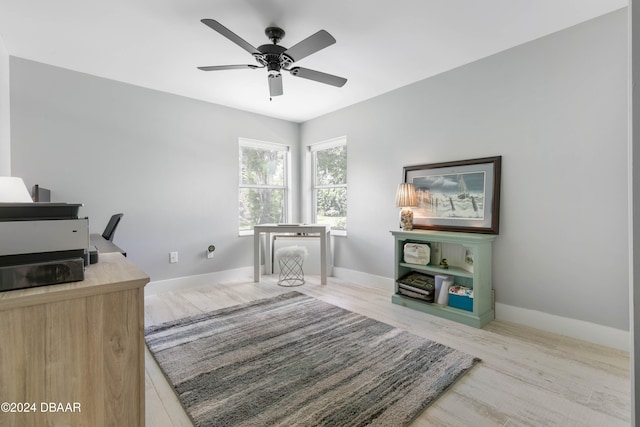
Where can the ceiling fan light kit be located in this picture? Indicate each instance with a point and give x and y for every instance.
(275, 57)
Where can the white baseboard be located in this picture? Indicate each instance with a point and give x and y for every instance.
(579, 329)
(586, 331)
(197, 281)
(380, 282)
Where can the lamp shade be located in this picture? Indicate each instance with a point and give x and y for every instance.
(406, 195)
(13, 190)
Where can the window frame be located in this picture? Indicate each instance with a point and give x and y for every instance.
(313, 203)
(286, 187)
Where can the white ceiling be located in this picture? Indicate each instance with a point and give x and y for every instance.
(381, 45)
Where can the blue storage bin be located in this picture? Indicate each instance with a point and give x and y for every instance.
(461, 297)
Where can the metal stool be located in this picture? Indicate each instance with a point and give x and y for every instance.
(290, 259)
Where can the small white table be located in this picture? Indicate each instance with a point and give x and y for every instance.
(322, 230)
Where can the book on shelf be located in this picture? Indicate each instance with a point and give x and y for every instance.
(415, 295)
(417, 285)
(421, 294)
(419, 280)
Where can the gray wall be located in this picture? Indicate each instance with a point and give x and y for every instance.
(169, 163)
(5, 141)
(556, 110)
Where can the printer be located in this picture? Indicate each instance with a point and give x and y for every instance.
(41, 244)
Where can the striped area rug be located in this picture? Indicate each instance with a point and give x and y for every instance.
(293, 360)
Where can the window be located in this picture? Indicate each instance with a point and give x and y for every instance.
(264, 175)
(329, 180)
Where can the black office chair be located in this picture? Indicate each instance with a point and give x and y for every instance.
(110, 229)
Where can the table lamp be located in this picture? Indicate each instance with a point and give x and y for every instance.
(13, 190)
(405, 199)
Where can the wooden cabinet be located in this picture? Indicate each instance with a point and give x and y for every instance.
(476, 275)
(73, 354)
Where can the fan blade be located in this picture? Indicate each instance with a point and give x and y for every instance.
(228, 67)
(310, 45)
(215, 25)
(318, 76)
(275, 85)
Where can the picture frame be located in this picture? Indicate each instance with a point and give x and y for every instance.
(459, 196)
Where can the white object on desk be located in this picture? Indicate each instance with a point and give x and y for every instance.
(13, 190)
(322, 230)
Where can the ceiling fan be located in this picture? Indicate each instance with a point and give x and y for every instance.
(275, 58)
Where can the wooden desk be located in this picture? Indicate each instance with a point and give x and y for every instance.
(322, 230)
(80, 345)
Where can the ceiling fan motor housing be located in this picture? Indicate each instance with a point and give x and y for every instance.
(271, 57)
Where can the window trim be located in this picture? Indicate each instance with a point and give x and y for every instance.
(312, 149)
(266, 145)
(329, 143)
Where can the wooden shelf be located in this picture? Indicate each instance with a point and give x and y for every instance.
(444, 311)
(451, 271)
(479, 279)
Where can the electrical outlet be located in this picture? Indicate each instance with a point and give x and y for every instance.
(173, 257)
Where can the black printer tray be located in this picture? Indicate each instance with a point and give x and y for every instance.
(38, 211)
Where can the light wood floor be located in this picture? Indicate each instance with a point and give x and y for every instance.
(527, 377)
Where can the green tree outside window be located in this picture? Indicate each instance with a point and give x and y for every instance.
(330, 186)
(263, 177)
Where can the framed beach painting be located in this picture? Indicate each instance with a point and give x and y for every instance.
(457, 196)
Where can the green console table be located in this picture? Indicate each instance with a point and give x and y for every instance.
(475, 272)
